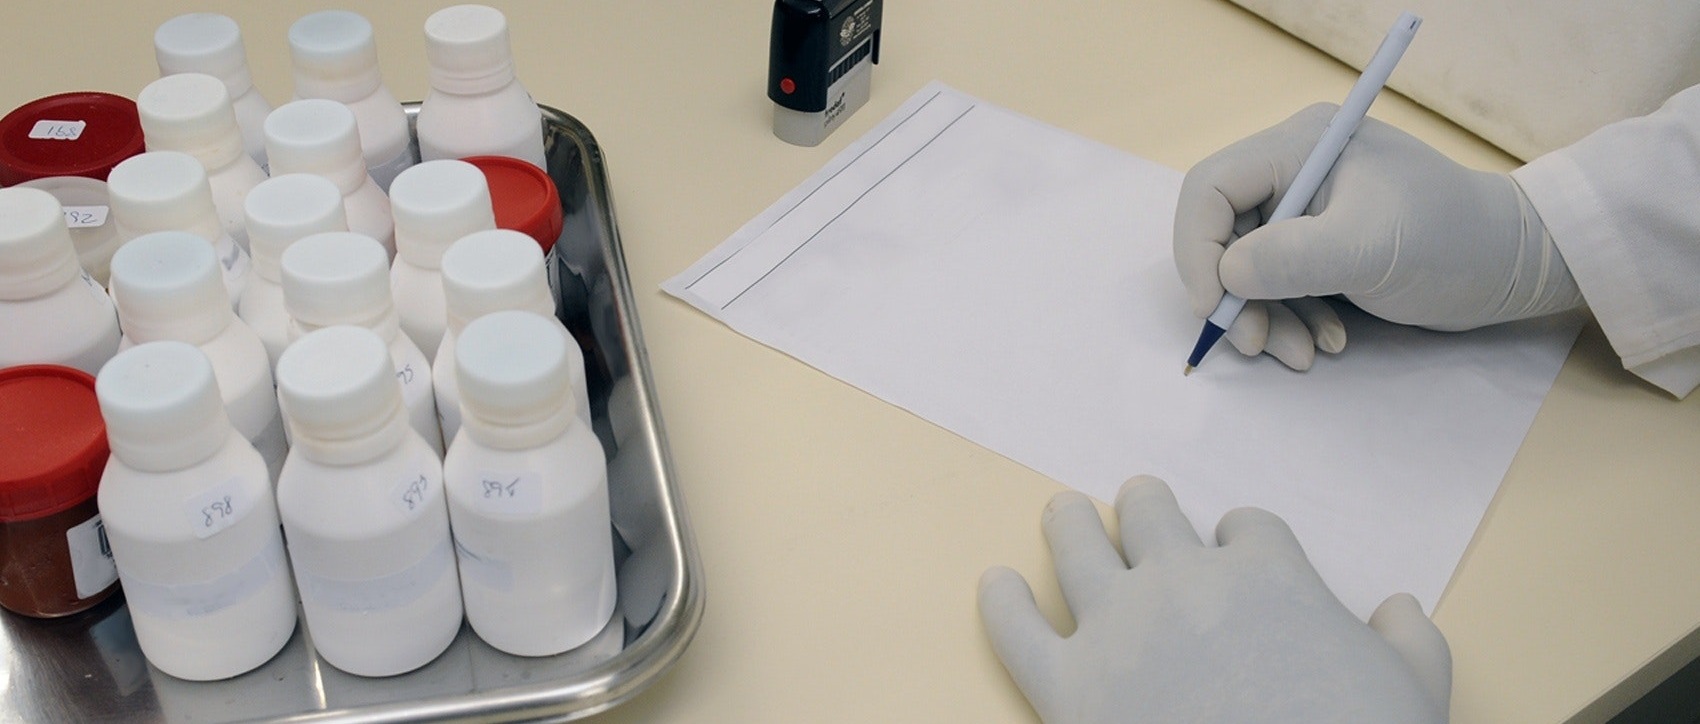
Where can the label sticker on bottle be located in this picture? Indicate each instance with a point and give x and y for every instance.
(91, 557)
(216, 509)
(510, 493)
(47, 130)
(179, 601)
(85, 217)
(392, 591)
(413, 492)
(483, 570)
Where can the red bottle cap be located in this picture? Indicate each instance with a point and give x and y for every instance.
(524, 197)
(52, 441)
(36, 138)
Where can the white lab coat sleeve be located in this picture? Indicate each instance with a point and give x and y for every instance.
(1623, 207)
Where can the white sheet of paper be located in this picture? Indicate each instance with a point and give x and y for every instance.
(1014, 283)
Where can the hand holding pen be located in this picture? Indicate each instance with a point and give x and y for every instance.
(1393, 225)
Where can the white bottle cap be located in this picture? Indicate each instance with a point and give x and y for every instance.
(435, 204)
(334, 56)
(490, 271)
(337, 277)
(284, 209)
(203, 43)
(163, 191)
(162, 406)
(514, 381)
(168, 285)
(466, 49)
(191, 112)
(36, 254)
(316, 136)
(339, 393)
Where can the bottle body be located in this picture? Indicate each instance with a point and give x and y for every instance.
(251, 110)
(414, 372)
(74, 325)
(369, 214)
(419, 303)
(202, 562)
(371, 551)
(502, 122)
(230, 186)
(533, 540)
(384, 141)
(262, 309)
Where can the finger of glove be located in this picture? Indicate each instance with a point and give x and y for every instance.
(1400, 620)
(1023, 639)
(1250, 330)
(1152, 524)
(1221, 197)
(1326, 330)
(1289, 339)
(1080, 549)
(1258, 529)
(1302, 257)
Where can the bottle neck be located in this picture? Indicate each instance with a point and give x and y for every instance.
(362, 447)
(463, 83)
(199, 326)
(176, 453)
(17, 285)
(524, 436)
(346, 89)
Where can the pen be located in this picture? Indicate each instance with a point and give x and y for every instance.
(1317, 165)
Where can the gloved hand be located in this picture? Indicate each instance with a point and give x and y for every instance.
(1183, 632)
(1399, 229)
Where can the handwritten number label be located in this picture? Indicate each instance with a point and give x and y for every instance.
(510, 492)
(412, 493)
(215, 509)
(85, 217)
(46, 130)
(405, 374)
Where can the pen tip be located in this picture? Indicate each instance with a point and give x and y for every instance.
(1188, 372)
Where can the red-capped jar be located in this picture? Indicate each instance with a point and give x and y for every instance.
(524, 198)
(84, 133)
(54, 560)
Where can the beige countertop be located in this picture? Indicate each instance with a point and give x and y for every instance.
(841, 536)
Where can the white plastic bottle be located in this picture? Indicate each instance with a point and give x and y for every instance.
(363, 510)
(436, 204)
(191, 112)
(493, 271)
(50, 310)
(167, 288)
(168, 191)
(187, 507)
(320, 137)
(476, 106)
(335, 58)
(211, 43)
(281, 211)
(341, 278)
(528, 492)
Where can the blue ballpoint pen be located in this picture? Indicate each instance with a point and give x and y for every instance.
(1317, 165)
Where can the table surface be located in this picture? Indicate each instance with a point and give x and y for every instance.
(841, 536)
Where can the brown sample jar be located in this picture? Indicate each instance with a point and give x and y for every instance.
(54, 560)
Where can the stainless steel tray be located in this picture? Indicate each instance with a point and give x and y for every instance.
(88, 667)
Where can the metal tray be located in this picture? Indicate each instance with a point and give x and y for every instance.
(88, 667)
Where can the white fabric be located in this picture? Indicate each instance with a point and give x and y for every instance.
(1623, 206)
(1529, 76)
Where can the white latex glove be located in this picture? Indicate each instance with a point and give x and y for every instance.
(1182, 632)
(1397, 228)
